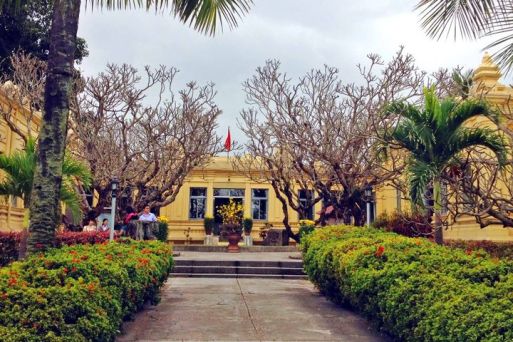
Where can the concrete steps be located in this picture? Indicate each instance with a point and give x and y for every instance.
(238, 269)
(243, 249)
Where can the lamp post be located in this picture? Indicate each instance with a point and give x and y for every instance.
(368, 199)
(114, 187)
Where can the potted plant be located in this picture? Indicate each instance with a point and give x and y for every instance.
(232, 224)
(247, 223)
(209, 224)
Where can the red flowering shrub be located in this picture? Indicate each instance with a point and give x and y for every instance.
(9, 246)
(81, 292)
(10, 242)
(83, 238)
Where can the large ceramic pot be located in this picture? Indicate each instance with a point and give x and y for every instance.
(232, 232)
(233, 242)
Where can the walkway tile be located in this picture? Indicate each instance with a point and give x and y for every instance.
(212, 309)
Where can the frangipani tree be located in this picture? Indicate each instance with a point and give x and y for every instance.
(434, 136)
(204, 15)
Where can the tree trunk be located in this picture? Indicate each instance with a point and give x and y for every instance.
(44, 210)
(285, 210)
(438, 229)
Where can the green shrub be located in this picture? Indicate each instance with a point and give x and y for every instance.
(305, 227)
(162, 232)
(412, 288)
(81, 292)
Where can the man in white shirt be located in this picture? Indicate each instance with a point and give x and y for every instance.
(146, 216)
(148, 221)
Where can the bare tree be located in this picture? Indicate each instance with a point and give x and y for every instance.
(23, 94)
(324, 135)
(149, 148)
(478, 187)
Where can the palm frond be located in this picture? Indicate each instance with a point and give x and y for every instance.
(405, 110)
(469, 109)
(72, 168)
(465, 137)
(9, 188)
(432, 107)
(204, 15)
(18, 169)
(472, 19)
(417, 138)
(71, 199)
(466, 18)
(504, 55)
(420, 174)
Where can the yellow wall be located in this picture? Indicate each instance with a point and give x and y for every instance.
(486, 84)
(11, 209)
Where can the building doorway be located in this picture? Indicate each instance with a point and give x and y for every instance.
(222, 197)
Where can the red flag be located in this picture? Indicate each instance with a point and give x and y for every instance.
(228, 142)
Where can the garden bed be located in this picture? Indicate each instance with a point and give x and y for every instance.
(412, 288)
(80, 292)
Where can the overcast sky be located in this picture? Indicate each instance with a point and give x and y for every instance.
(302, 34)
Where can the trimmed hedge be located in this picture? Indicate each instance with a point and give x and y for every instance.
(502, 250)
(80, 292)
(412, 288)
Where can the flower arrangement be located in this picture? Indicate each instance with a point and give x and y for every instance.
(232, 216)
(231, 212)
(163, 219)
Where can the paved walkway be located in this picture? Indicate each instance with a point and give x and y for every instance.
(208, 309)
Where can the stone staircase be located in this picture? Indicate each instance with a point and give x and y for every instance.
(292, 269)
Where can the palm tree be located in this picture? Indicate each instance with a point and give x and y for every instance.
(204, 15)
(472, 19)
(18, 174)
(434, 136)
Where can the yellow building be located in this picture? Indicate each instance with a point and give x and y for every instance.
(11, 209)
(211, 186)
